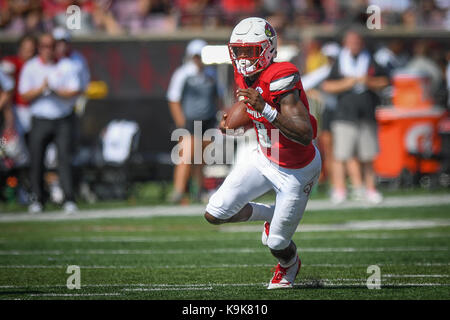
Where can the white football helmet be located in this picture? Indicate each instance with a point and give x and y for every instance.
(253, 46)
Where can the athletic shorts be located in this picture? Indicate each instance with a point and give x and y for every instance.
(326, 119)
(354, 140)
(250, 179)
(205, 125)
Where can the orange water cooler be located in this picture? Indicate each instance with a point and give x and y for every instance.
(408, 130)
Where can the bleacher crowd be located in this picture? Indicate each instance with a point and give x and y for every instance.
(118, 17)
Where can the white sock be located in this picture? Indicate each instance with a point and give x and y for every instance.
(261, 212)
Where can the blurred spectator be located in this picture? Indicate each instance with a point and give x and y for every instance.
(22, 114)
(193, 96)
(6, 120)
(51, 88)
(314, 58)
(391, 10)
(391, 57)
(331, 11)
(391, 6)
(313, 79)
(95, 15)
(138, 16)
(409, 18)
(421, 63)
(13, 66)
(354, 78)
(447, 77)
(431, 16)
(63, 49)
(279, 14)
(199, 13)
(234, 10)
(18, 17)
(6, 91)
(54, 12)
(308, 12)
(312, 84)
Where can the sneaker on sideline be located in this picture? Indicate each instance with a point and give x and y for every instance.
(358, 194)
(338, 196)
(70, 207)
(35, 207)
(373, 196)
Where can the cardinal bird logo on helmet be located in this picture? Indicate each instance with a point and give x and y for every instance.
(269, 30)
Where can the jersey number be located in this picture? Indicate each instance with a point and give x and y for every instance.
(263, 137)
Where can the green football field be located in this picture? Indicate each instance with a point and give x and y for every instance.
(186, 258)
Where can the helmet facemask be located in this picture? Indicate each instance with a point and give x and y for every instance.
(248, 58)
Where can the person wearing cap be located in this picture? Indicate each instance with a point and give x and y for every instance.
(193, 99)
(63, 49)
(51, 87)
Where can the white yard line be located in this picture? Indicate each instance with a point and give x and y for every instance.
(73, 294)
(392, 224)
(198, 210)
(135, 285)
(215, 266)
(299, 237)
(210, 286)
(383, 285)
(416, 275)
(325, 283)
(214, 251)
(65, 267)
(170, 289)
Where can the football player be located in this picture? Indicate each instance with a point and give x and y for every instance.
(286, 159)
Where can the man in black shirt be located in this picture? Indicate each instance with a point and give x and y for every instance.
(354, 78)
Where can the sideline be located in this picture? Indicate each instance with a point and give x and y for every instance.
(197, 210)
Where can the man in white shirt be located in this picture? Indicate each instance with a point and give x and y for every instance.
(51, 88)
(64, 49)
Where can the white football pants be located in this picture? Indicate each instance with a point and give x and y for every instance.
(251, 179)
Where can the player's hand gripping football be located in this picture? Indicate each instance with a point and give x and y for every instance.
(222, 124)
(252, 97)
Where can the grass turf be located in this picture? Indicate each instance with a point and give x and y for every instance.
(186, 258)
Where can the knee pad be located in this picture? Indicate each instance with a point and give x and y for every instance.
(222, 205)
(277, 243)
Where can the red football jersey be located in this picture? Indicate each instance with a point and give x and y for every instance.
(276, 79)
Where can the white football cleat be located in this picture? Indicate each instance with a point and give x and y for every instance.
(265, 233)
(284, 277)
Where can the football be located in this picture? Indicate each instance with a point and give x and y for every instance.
(237, 116)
